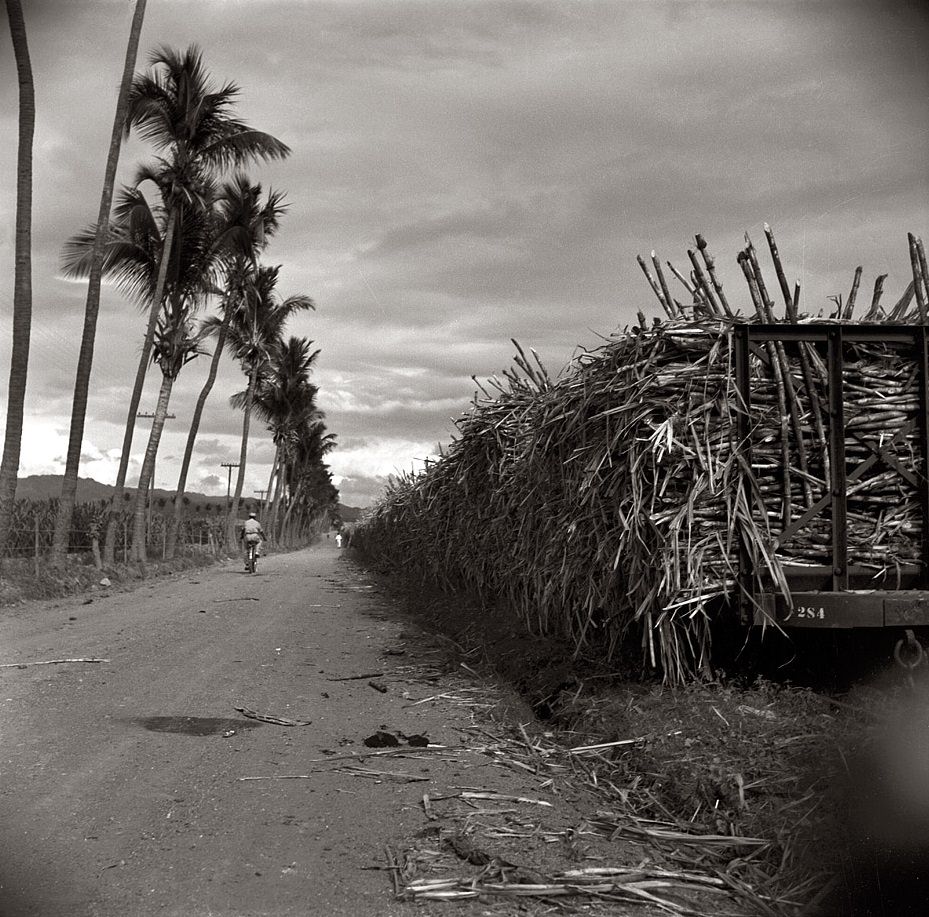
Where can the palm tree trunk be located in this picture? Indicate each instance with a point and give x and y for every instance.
(148, 468)
(243, 454)
(22, 274)
(278, 493)
(275, 465)
(171, 543)
(92, 309)
(293, 503)
(117, 498)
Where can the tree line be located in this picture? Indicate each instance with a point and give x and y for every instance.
(186, 234)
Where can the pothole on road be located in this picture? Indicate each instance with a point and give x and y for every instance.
(193, 725)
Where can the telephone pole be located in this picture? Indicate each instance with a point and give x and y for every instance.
(230, 466)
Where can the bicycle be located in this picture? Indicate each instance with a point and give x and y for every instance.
(251, 556)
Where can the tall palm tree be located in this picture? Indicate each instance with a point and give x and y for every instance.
(92, 308)
(176, 344)
(133, 259)
(286, 400)
(245, 225)
(22, 273)
(310, 479)
(254, 333)
(178, 109)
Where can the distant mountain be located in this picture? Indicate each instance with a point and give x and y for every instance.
(44, 486)
(351, 513)
(47, 486)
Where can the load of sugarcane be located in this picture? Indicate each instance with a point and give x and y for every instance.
(617, 502)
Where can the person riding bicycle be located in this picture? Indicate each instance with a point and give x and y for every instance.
(252, 534)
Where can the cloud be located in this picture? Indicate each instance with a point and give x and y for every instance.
(463, 174)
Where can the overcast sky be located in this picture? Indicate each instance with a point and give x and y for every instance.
(465, 172)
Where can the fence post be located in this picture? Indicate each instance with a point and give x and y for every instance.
(125, 541)
(36, 528)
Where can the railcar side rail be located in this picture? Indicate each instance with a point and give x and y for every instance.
(840, 595)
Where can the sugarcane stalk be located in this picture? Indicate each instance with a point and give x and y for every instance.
(687, 284)
(784, 366)
(665, 303)
(659, 273)
(919, 258)
(903, 303)
(701, 300)
(806, 363)
(919, 284)
(701, 283)
(711, 270)
(745, 263)
(853, 294)
(875, 311)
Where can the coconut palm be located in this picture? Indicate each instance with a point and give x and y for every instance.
(132, 258)
(22, 273)
(245, 225)
(254, 334)
(177, 108)
(286, 400)
(311, 485)
(92, 308)
(176, 343)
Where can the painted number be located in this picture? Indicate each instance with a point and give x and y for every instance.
(811, 612)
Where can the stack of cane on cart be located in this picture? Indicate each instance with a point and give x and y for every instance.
(608, 506)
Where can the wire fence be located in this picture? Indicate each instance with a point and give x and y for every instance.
(33, 528)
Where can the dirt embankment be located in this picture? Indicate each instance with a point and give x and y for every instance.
(831, 789)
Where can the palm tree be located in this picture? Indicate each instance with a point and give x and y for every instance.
(22, 273)
(245, 224)
(92, 308)
(310, 478)
(176, 343)
(286, 401)
(254, 333)
(133, 259)
(178, 109)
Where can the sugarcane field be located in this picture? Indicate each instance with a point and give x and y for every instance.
(464, 459)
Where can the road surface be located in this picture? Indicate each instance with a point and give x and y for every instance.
(122, 783)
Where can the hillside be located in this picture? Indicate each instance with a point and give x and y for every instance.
(46, 486)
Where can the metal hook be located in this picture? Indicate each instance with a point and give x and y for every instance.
(914, 649)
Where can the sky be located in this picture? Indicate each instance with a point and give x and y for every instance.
(464, 173)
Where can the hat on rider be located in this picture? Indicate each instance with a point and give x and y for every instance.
(252, 515)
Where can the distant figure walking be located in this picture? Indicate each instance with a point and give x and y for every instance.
(338, 539)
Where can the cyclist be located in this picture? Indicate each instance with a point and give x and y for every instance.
(252, 534)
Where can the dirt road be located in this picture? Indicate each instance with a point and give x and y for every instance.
(123, 785)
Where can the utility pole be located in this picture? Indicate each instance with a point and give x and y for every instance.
(148, 415)
(261, 499)
(230, 466)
